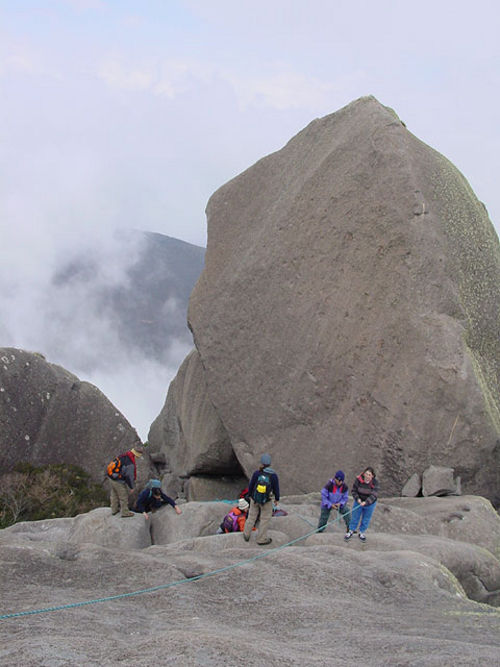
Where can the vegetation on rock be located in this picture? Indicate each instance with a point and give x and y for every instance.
(31, 493)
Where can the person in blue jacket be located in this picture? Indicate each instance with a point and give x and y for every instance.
(334, 495)
(262, 489)
(152, 498)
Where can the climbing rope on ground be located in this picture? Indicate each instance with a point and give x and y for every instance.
(153, 589)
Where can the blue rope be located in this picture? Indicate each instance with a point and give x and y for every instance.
(153, 589)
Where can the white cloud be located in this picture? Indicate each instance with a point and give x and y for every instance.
(283, 88)
(117, 75)
(84, 5)
(161, 77)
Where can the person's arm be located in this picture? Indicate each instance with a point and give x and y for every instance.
(373, 495)
(275, 486)
(325, 497)
(345, 497)
(128, 473)
(166, 499)
(241, 522)
(252, 483)
(142, 500)
(355, 493)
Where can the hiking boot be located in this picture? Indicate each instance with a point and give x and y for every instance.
(362, 537)
(127, 514)
(268, 541)
(246, 537)
(348, 535)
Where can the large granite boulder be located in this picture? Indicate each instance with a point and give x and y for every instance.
(49, 416)
(347, 314)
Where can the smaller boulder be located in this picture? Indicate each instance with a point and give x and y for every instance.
(439, 481)
(412, 487)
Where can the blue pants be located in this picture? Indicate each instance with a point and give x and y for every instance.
(361, 512)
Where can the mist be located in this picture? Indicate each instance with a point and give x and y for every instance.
(61, 307)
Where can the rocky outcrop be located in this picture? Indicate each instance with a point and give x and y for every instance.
(49, 416)
(347, 314)
(440, 481)
(190, 435)
(423, 575)
(434, 481)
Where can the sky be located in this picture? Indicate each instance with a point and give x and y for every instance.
(120, 114)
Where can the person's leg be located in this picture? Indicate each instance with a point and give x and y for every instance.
(253, 513)
(122, 490)
(355, 516)
(323, 518)
(266, 512)
(114, 501)
(345, 514)
(366, 516)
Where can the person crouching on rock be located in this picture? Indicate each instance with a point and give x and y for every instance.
(263, 487)
(364, 491)
(234, 521)
(152, 498)
(334, 495)
(122, 473)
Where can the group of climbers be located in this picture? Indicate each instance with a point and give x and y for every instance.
(259, 502)
(335, 495)
(122, 474)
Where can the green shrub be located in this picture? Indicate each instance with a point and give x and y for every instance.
(30, 493)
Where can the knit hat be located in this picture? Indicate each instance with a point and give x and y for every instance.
(340, 475)
(242, 504)
(265, 459)
(154, 484)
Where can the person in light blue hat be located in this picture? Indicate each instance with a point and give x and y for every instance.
(152, 498)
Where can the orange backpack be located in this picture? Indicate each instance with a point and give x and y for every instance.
(114, 468)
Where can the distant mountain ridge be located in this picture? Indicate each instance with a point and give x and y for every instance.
(149, 308)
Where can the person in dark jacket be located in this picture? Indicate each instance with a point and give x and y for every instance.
(262, 489)
(334, 495)
(124, 478)
(364, 491)
(152, 498)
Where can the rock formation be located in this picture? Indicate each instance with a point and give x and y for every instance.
(192, 437)
(425, 584)
(49, 416)
(347, 314)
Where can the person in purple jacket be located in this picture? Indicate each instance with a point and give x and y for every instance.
(334, 495)
(364, 491)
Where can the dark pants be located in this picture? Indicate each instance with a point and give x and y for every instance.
(325, 515)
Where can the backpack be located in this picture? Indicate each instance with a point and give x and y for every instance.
(114, 468)
(230, 522)
(262, 488)
(244, 494)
